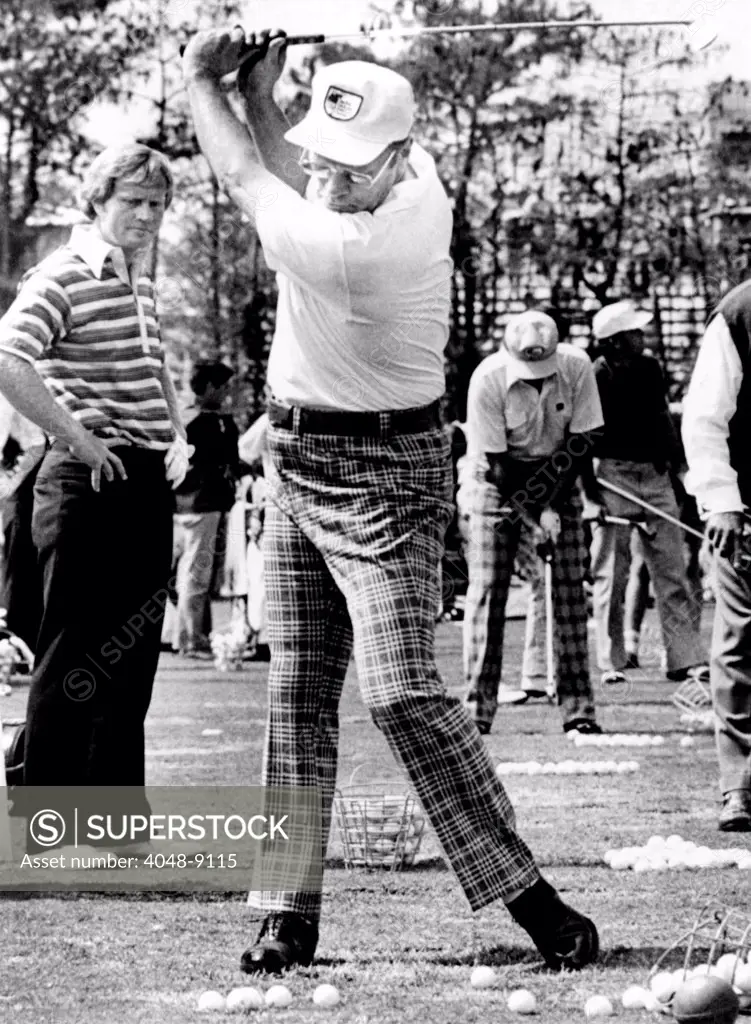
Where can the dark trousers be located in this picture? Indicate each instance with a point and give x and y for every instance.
(22, 585)
(105, 561)
(731, 675)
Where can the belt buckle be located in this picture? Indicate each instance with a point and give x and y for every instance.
(384, 425)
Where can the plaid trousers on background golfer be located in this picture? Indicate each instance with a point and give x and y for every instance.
(354, 538)
(494, 534)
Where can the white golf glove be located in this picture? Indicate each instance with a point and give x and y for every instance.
(550, 522)
(177, 461)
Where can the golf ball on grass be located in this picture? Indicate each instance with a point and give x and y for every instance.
(598, 1006)
(521, 1000)
(663, 986)
(725, 967)
(211, 1001)
(482, 977)
(635, 998)
(707, 1000)
(675, 854)
(653, 1004)
(326, 995)
(245, 998)
(278, 995)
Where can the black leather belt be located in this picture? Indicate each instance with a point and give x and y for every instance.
(354, 424)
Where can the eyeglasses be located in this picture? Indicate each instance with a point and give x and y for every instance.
(324, 172)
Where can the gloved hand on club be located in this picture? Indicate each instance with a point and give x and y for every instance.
(594, 511)
(265, 73)
(177, 461)
(550, 524)
(215, 54)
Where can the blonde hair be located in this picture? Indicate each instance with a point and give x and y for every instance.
(132, 161)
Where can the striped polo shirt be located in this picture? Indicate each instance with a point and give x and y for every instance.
(94, 339)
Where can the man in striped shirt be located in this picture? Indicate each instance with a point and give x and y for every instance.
(81, 356)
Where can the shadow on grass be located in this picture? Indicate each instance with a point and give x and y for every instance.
(493, 956)
(619, 957)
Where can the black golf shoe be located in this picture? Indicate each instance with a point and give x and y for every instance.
(564, 937)
(286, 940)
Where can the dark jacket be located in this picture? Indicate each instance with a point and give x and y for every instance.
(638, 426)
(209, 485)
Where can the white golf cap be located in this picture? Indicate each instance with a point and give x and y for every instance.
(357, 109)
(544, 327)
(618, 317)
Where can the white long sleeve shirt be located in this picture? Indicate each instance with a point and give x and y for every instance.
(708, 407)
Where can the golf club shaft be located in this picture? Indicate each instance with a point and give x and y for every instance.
(619, 521)
(622, 521)
(511, 26)
(650, 508)
(549, 647)
(437, 30)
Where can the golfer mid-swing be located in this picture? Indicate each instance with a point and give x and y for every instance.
(353, 218)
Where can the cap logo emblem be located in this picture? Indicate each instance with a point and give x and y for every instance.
(342, 105)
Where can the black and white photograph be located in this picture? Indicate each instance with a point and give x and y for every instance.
(375, 511)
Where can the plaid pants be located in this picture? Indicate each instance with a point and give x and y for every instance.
(353, 542)
(494, 541)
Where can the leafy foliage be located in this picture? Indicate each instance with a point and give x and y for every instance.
(575, 158)
(486, 102)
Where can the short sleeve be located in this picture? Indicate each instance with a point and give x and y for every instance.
(587, 409)
(306, 242)
(486, 421)
(36, 319)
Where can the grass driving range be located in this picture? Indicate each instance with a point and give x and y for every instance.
(399, 947)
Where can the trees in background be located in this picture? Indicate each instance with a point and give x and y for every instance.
(573, 158)
(486, 102)
(51, 70)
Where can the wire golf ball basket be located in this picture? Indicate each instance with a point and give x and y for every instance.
(694, 701)
(381, 824)
(718, 931)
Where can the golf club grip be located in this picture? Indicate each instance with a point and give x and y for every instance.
(291, 41)
(305, 40)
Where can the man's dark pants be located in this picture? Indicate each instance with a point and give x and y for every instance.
(22, 587)
(731, 674)
(105, 562)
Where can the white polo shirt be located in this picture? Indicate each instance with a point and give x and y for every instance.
(507, 414)
(364, 298)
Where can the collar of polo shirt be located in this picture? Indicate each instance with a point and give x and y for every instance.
(87, 242)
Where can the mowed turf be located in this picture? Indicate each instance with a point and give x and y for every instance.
(400, 947)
